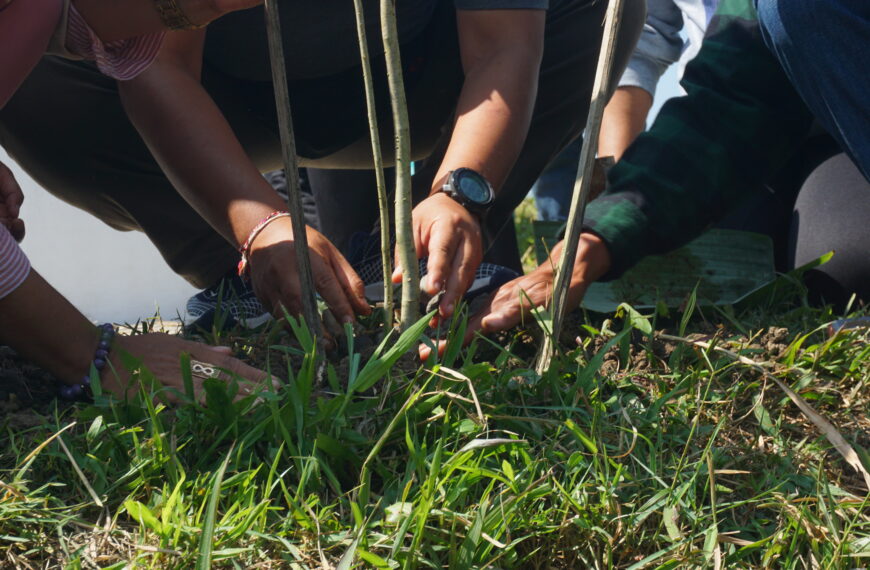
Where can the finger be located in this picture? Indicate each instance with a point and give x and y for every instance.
(10, 192)
(16, 228)
(464, 266)
(442, 247)
(351, 283)
(329, 287)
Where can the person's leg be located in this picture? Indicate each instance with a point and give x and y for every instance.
(822, 45)
(67, 129)
(831, 213)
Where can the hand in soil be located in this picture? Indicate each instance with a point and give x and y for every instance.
(450, 235)
(513, 302)
(11, 199)
(161, 354)
(276, 283)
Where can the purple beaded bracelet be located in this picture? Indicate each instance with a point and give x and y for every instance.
(101, 356)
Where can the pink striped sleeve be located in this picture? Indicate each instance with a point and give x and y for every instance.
(14, 266)
(122, 59)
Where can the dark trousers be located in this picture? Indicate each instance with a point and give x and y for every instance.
(66, 127)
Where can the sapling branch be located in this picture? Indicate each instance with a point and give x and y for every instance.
(404, 231)
(288, 148)
(582, 183)
(377, 157)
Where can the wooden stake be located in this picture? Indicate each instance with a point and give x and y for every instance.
(582, 183)
(383, 204)
(404, 230)
(291, 169)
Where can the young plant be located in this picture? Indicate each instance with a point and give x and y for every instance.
(383, 205)
(583, 182)
(404, 231)
(291, 169)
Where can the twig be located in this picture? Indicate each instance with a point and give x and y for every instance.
(291, 169)
(826, 427)
(377, 157)
(583, 182)
(404, 230)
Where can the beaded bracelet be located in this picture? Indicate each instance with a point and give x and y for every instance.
(173, 17)
(243, 263)
(101, 356)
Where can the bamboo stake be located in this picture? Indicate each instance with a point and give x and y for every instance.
(583, 182)
(404, 230)
(291, 169)
(383, 204)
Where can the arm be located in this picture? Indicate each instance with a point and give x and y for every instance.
(501, 53)
(706, 151)
(43, 326)
(657, 49)
(200, 154)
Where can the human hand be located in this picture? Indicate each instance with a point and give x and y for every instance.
(161, 355)
(276, 281)
(451, 236)
(11, 199)
(514, 301)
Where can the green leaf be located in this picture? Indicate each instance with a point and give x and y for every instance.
(671, 519)
(381, 362)
(206, 541)
(143, 516)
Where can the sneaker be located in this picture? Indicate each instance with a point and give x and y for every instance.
(365, 258)
(225, 305)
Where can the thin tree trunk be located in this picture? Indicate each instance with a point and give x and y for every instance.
(291, 169)
(383, 204)
(583, 182)
(404, 230)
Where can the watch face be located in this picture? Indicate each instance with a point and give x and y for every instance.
(473, 187)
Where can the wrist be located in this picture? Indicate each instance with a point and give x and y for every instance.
(592, 260)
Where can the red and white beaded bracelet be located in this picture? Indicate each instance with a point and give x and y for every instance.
(243, 263)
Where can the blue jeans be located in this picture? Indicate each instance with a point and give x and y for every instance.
(555, 186)
(823, 47)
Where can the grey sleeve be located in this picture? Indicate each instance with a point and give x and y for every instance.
(659, 46)
(501, 4)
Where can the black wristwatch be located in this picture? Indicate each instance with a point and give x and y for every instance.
(470, 189)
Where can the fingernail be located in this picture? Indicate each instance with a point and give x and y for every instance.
(346, 320)
(449, 309)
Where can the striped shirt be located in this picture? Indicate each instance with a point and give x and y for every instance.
(14, 267)
(122, 60)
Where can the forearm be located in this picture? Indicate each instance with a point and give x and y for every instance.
(624, 119)
(198, 150)
(41, 325)
(498, 95)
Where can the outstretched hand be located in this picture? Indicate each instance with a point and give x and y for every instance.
(514, 301)
(161, 355)
(276, 281)
(451, 236)
(11, 199)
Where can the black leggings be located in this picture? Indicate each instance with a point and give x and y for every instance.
(832, 212)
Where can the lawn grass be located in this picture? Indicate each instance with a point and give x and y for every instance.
(631, 452)
(634, 450)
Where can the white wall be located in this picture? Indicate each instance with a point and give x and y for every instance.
(108, 275)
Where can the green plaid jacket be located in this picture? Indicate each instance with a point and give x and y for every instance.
(738, 124)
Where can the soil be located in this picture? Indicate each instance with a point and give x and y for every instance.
(27, 393)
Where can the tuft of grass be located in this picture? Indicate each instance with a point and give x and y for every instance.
(631, 451)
